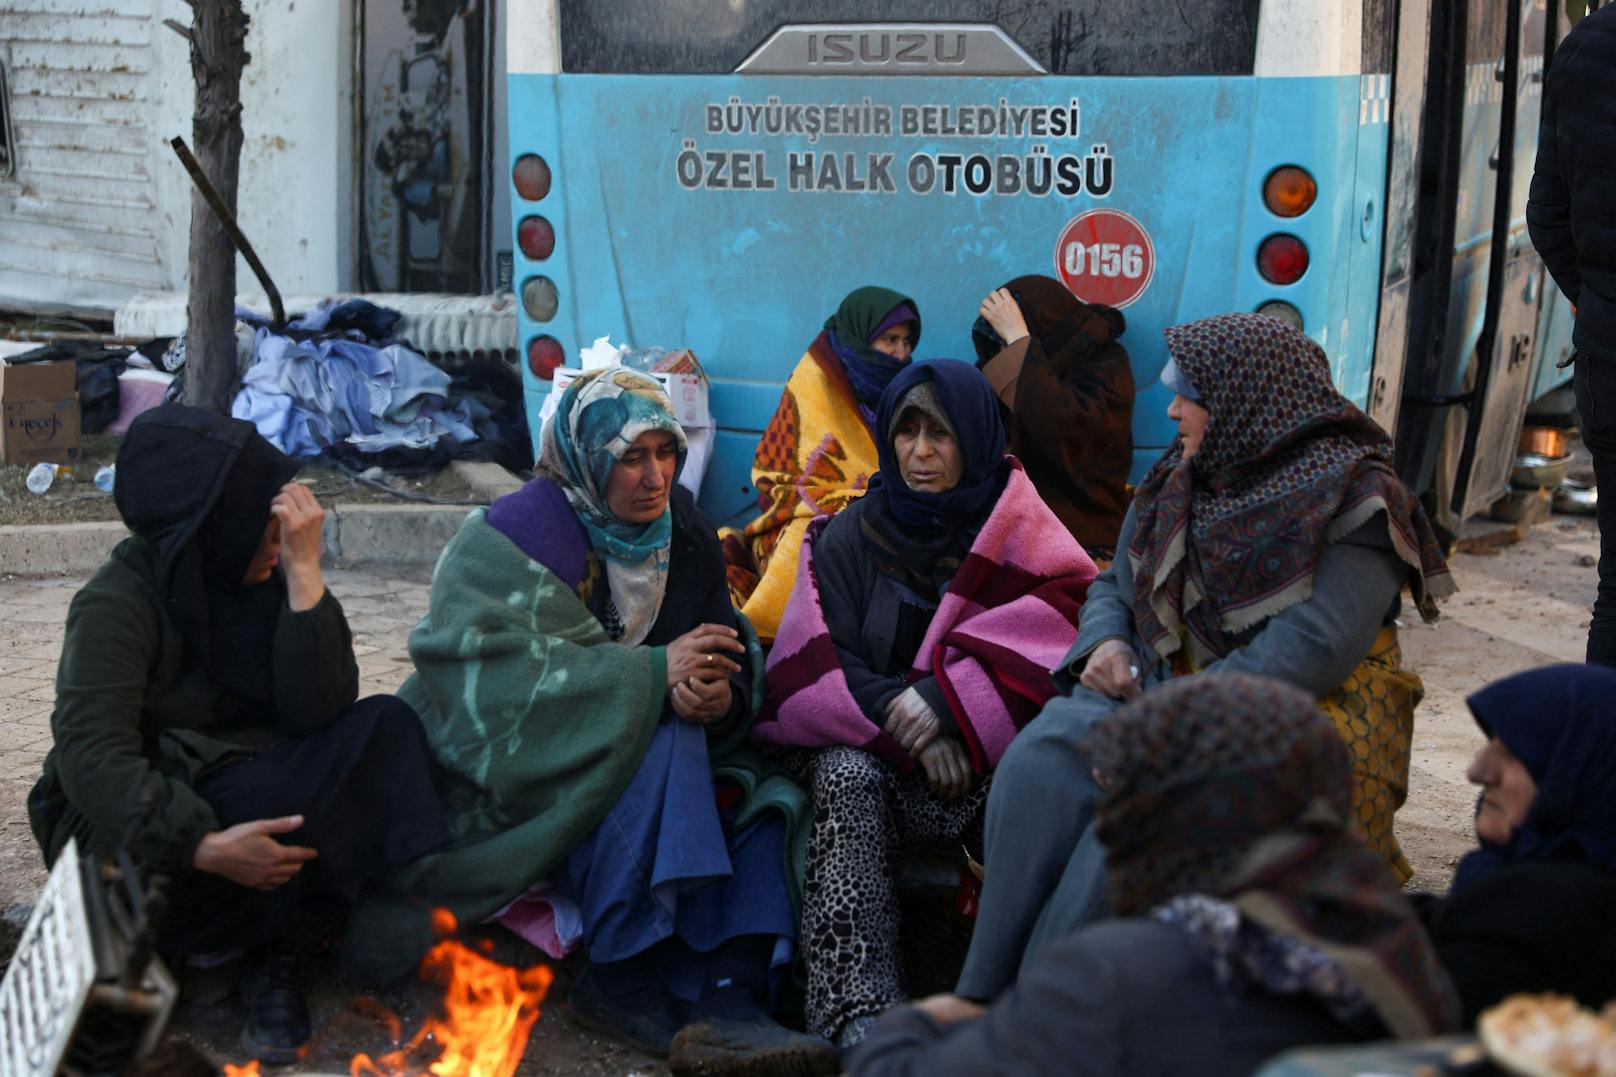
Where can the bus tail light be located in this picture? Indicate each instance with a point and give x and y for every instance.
(531, 177)
(536, 237)
(1282, 259)
(544, 357)
(1289, 191)
(1278, 308)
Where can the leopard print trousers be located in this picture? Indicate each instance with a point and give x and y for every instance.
(864, 812)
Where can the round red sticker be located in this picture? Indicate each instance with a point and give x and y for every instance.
(1105, 256)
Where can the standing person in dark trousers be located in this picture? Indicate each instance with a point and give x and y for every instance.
(1572, 217)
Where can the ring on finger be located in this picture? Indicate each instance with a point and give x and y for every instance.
(709, 658)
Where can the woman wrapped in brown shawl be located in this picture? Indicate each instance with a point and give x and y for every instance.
(1066, 389)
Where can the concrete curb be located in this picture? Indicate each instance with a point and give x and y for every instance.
(355, 534)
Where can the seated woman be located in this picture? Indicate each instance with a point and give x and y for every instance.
(922, 629)
(205, 716)
(818, 452)
(1531, 909)
(1239, 934)
(1066, 388)
(1272, 538)
(579, 672)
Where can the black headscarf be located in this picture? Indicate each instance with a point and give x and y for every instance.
(1559, 721)
(198, 487)
(918, 536)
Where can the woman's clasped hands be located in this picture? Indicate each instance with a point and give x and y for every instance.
(699, 669)
(912, 723)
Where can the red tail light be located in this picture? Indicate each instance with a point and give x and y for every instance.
(544, 356)
(1282, 259)
(536, 237)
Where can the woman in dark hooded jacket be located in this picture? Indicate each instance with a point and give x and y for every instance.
(1066, 390)
(1530, 910)
(206, 719)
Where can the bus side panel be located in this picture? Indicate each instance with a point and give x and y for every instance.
(745, 271)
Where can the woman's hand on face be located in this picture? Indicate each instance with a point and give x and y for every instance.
(301, 522)
(248, 854)
(910, 722)
(1004, 314)
(1112, 670)
(947, 767)
(701, 702)
(703, 654)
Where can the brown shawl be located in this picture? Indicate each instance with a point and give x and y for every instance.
(1237, 788)
(1069, 411)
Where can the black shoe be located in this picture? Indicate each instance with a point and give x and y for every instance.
(638, 1014)
(753, 1046)
(278, 1027)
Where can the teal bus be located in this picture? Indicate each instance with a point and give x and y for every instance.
(716, 174)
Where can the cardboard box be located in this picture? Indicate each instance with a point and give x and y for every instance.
(39, 413)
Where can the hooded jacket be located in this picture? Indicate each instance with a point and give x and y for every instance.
(170, 668)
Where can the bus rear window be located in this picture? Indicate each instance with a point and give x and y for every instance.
(1068, 37)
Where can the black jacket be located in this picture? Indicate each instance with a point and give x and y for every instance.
(1528, 927)
(1572, 209)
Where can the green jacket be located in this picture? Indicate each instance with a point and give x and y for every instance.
(132, 710)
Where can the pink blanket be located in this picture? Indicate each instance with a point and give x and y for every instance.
(1008, 617)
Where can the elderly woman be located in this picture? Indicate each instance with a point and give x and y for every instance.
(818, 452)
(206, 718)
(1531, 909)
(1250, 918)
(1272, 538)
(918, 640)
(1066, 390)
(579, 672)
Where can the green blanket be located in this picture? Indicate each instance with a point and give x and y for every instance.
(541, 722)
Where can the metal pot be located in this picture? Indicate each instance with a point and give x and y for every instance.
(1576, 499)
(1550, 441)
(1537, 472)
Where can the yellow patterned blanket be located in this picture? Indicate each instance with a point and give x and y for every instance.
(816, 456)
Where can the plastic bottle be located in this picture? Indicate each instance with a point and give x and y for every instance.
(105, 477)
(40, 477)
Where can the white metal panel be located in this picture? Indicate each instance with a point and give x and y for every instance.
(533, 38)
(1298, 38)
(79, 222)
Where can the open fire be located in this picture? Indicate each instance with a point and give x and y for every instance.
(488, 1011)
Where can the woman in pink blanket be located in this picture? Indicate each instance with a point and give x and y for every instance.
(918, 640)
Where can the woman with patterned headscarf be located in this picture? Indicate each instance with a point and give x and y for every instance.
(1272, 537)
(818, 452)
(1249, 916)
(580, 673)
(1530, 910)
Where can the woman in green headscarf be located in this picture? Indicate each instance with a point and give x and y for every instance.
(818, 452)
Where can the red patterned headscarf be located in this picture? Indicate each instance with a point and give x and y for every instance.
(1288, 465)
(1236, 787)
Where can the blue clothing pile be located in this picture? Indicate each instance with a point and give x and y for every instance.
(336, 377)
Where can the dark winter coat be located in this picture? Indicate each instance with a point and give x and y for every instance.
(1572, 208)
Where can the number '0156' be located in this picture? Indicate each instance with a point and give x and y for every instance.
(1105, 260)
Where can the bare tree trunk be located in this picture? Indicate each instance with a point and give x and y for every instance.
(218, 53)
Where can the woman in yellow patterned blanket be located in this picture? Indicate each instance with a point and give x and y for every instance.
(1273, 538)
(818, 454)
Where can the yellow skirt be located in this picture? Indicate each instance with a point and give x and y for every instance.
(1374, 711)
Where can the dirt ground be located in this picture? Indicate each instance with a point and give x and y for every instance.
(1521, 607)
(74, 498)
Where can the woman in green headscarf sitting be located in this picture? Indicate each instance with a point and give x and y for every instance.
(581, 675)
(818, 452)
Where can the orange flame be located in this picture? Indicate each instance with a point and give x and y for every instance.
(489, 1010)
(249, 1070)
